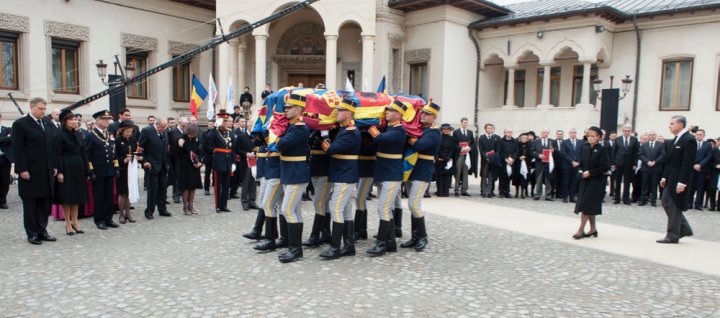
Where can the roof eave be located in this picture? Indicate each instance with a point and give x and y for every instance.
(479, 25)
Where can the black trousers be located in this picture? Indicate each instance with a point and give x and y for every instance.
(4, 178)
(569, 183)
(249, 188)
(157, 191)
(222, 189)
(623, 177)
(504, 187)
(677, 224)
(208, 174)
(173, 179)
(236, 179)
(103, 199)
(35, 215)
(650, 182)
(697, 189)
(443, 183)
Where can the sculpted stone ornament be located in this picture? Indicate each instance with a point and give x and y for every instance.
(15, 23)
(67, 31)
(139, 42)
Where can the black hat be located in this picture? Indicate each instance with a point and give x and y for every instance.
(446, 126)
(126, 124)
(65, 114)
(104, 114)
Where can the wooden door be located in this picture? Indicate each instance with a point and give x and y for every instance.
(308, 80)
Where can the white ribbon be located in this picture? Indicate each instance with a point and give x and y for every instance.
(133, 193)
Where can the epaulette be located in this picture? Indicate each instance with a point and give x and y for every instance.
(300, 123)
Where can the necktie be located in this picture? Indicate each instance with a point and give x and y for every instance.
(464, 133)
(544, 143)
(626, 142)
(559, 143)
(699, 145)
(573, 143)
(652, 144)
(41, 125)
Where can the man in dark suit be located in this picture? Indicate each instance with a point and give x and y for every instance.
(677, 175)
(487, 146)
(154, 142)
(571, 150)
(100, 154)
(35, 162)
(624, 163)
(124, 115)
(652, 155)
(174, 136)
(6, 160)
(542, 150)
(241, 147)
(207, 155)
(703, 161)
(464, 137)
(612, 137)
(508, 148)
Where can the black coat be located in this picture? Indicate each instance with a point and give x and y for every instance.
(242, 146)
(594, 159)
(472, 142)
(34, 152)
(680, 158)
(656, 154)
(449, 151)
(626, 156)
(6, 143)
(155, 147)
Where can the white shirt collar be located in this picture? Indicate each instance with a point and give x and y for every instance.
(33, 117)
(681, 132)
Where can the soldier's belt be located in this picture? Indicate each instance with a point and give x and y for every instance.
(426, 157)
(318, 152)
(345, 157)
(274, 154)
(261, 155)
(389, 155)
(367, 157)
(293, 158)
(222, 150)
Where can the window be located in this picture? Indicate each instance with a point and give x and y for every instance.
(139, 61)
(578, 83)
(554, 85)
(418, 79)
(181, 82)
(676, 84)
(8, 58)
(519, 88)
(65, 66)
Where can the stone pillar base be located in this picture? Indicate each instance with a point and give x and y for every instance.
(585, 106)
(545, 106)
(509, 107)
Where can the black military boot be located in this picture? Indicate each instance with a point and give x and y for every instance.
(256, 232)
(361, 225)
(268, 243)
(381, 243)
(337, 233)
(349, 239)
(397, 216)
(283, 241)
(314, 239)
(294, 251)
(421, 234)
(325, 236)
(413, 240)
(391, 246)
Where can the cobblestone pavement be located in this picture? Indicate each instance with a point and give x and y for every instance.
(704, 223)
(200, 266)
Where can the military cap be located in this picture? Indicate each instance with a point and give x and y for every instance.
(103, 114)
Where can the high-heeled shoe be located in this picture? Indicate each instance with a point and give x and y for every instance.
(593, 234)
(579, 236)
(130, 219)
(77, 231)
(69, 233)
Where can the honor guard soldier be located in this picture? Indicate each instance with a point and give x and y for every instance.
(103, 168)
(343, 176)
(294, 174)
(388, 174)
(261, 157)
(366, 172)
(427, 147)
(319, 167)
(221, 142)
(272, 195)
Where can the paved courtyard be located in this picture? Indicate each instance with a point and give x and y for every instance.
(200, 266)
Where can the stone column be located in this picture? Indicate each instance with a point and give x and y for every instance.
(368, 43)
(585, 94)
(260, 64)
(232, 73)
(221, 78)
(510, 100)
(331, 61)
(545, 101)
(241, 67)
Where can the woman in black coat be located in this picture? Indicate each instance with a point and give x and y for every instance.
(71, 175)
(449, 151)
(190, 162)
(125, 150)
(519, 181)
(594, 162)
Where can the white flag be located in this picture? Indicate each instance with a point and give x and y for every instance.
(133, 192)
(348, 85)
(230, 100)
(212, 96)
(552, 163)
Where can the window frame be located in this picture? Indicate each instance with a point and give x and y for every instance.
(594, 74)
(539, 84)
(11, 37)
(519, 102)
(676, 88)
(176, 84)
(64, 46)
(423, 90)
(131, 91)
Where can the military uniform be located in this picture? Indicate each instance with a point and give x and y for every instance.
(272, 194)
(427, 147)
(388, 177)
(221, 142)
(366, 172)
(319, 167)
(261, 157)
(100, 153)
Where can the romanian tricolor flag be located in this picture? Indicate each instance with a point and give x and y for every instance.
(199, 93)
(382, 88)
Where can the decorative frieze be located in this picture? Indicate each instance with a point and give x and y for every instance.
(67, 31)
(15, 23)
(417, 56)
(139, 42)
(177, 48)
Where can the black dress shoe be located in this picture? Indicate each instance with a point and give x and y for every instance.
(207, 192)
(667, 240)
(149, 216)
(112, 224)
(102, 226)
(165, 213)
(34, 240)
(457, 194)
(465, 194)
(626, 203)
(77, 231)
(481, 195)
(642, 204)
(549, 199)
(234, 196)
(698, 208)
(653, 204)
(246, 206)
(218, 210)
(176, 200)
(253, 205)
(226, 210)
(565, 200)
(47, 237)
(616, 202)
(4, 206)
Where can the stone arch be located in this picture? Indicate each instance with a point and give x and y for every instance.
(491, 55)
(277, 5)
(523, 49)
(563, 45)
(304, 38)
(348, 19)
(237, 19)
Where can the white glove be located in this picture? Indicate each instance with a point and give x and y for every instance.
(324, 133)
(448, 165)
